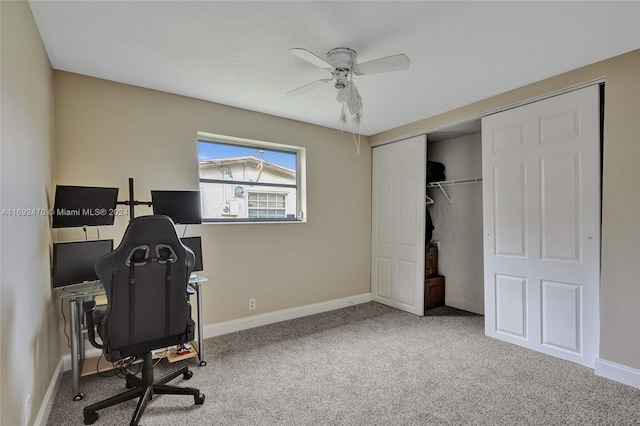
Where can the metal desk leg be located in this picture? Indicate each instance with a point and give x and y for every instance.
(74, 313)
(81, 326)
(199, 303)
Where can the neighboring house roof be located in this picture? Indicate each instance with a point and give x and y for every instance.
(253, 161)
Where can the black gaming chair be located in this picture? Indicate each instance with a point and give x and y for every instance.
(145, 280)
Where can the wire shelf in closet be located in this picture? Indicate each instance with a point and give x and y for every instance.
(453, 182)
(442, 183)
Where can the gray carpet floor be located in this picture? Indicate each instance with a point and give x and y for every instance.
(371, 365)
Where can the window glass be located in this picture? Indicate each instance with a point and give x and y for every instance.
(248, 182)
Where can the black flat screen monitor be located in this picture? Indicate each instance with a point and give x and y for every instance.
(77, 206)
(195, 244)
(74, 262)
(181, 206)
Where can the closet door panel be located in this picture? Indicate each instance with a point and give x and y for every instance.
(560, 208)
(541, 202)
(407, 206)
(398, 185)
(384, 208)
(511, 305)
(406, 284)
(561, 316)
(382, 269)
(509, 191)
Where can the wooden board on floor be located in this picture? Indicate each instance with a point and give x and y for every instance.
(172, 357)
(100, 364)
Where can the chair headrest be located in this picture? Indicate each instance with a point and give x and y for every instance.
(149, 237)
(150, 230)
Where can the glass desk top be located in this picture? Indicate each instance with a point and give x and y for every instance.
(86, 289)
(94, 288)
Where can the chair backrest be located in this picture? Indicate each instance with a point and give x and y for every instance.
(145, 281)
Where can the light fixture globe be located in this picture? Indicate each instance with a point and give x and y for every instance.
(343, 95)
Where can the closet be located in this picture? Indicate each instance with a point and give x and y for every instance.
(399, 190)
(456, 214)
(517, 221)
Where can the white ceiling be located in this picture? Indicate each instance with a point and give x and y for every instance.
(237, 52)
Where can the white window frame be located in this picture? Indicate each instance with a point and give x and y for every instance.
(301, 190)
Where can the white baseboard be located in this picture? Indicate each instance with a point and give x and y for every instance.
(617, 372)
(226, 327)
(231, 326)
(49, 396)
(464, 305)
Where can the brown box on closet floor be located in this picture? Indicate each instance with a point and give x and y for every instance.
(431, 262)
(433, 292)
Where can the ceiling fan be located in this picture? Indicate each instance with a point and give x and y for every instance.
(342, 63)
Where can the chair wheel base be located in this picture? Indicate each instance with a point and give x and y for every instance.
(187, 375)
(90, 418)
(203, 363)
(199, 400)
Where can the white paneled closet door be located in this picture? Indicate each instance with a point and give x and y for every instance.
(398, 206)
(541, 202)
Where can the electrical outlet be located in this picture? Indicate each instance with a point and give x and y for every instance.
(27, 408)
(252, 304)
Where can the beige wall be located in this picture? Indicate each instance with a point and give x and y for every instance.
(107, 132)
(30, 349)
(620, 280)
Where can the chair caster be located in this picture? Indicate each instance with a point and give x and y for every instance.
(90, 418)
(203, 363)
(78, 397)
(199, 399)
(187, 375)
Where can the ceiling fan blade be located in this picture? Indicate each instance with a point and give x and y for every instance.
(308, 87)
(311, 58)
(390, 63)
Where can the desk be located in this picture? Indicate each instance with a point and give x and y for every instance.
(78, 293)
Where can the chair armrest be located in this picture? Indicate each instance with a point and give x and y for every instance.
(89, 307)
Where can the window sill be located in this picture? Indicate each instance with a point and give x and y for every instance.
(249, 222)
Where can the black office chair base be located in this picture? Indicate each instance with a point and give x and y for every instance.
(144, 388)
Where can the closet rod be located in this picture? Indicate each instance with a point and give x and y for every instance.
(451, 182)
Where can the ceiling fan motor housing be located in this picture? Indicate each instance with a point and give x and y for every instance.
(342, 58)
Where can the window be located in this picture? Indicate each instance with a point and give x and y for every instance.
(250, 181)
(267, 205)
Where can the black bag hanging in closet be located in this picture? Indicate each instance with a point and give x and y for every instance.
(435, 173)
(428, 226)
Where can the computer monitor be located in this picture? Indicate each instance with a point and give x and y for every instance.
(77, 206)
(195, 244)
(181, 206)
(74, 262)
